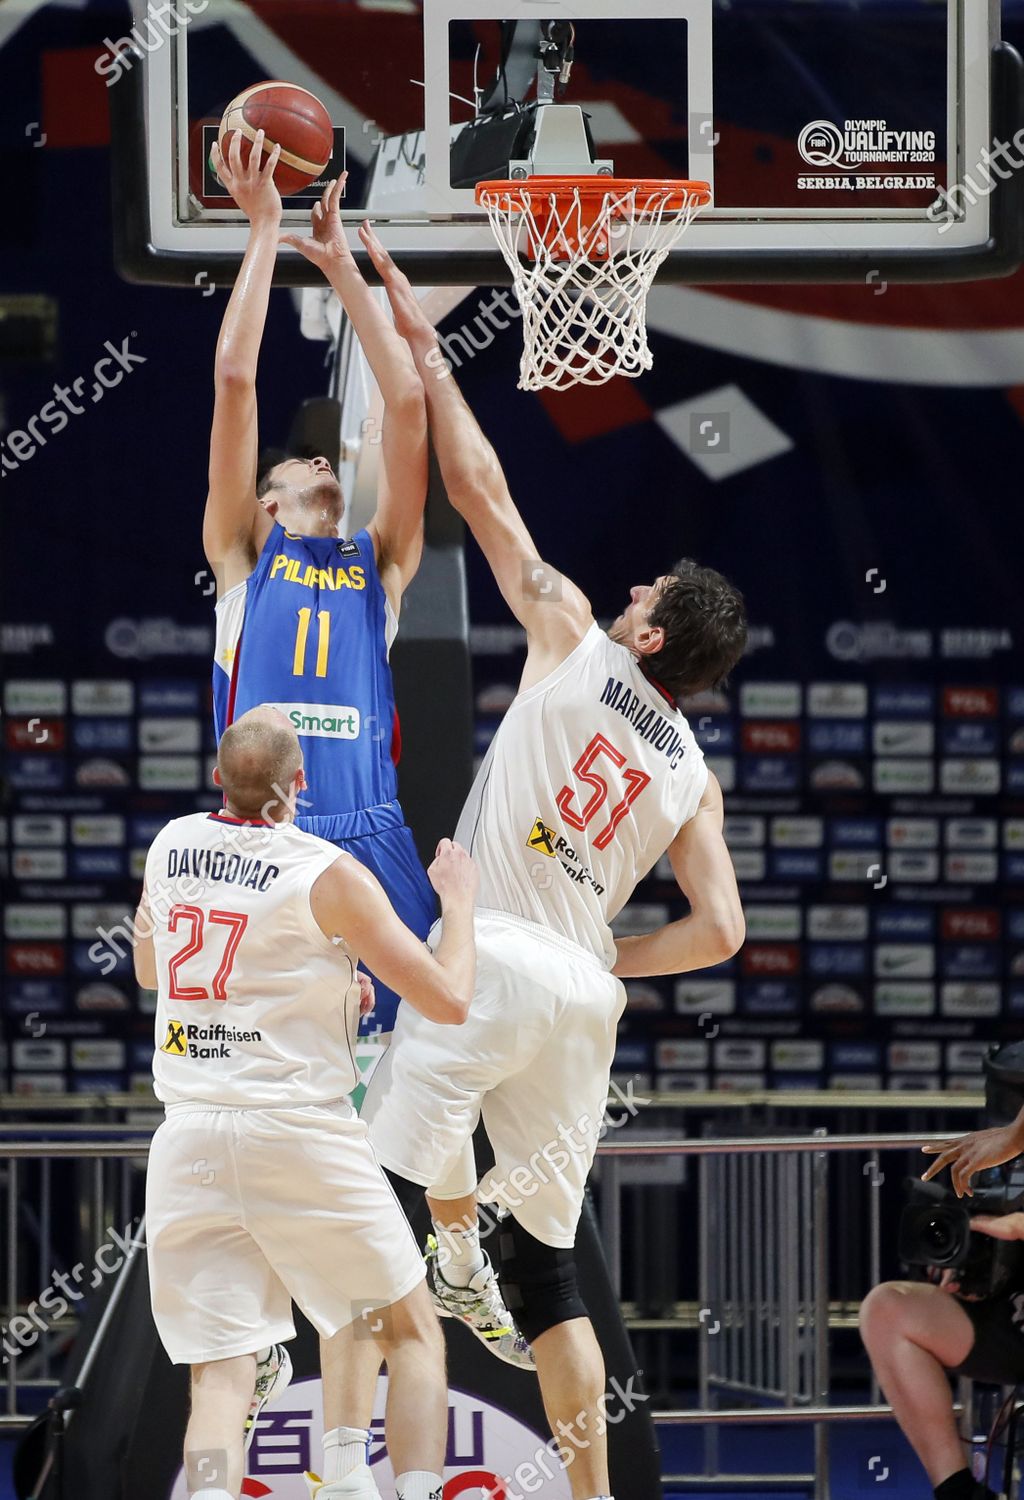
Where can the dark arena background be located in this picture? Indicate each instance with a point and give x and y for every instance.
(849, 455)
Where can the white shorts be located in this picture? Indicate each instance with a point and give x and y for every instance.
(461, 1179)
(249, 1208)
(534, 1058)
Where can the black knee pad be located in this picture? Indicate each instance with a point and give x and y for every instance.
(538, 1283)
(409, 1194)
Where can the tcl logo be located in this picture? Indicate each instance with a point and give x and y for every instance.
(762, 739)
(35, 958)
(36, 734)
(771, 958)
(970, 703)
(970, 924)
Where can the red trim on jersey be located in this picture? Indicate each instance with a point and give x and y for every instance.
(658, 687)
(241, 822)
(396, 739)
(233, 689)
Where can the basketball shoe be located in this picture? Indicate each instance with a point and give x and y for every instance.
(359, 1485)
(273, 1374)
(481, 1307)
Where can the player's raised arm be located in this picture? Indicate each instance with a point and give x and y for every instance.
(235, 525)
(715, 928)
(552, 610)
(349, 902)
(397, 527)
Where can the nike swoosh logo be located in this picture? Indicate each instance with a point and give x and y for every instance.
(894, 741)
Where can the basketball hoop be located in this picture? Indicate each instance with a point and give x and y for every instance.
(583, 253)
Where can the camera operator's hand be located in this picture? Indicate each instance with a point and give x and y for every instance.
(1001, 1226)
(970, 1154)
(944, 1279)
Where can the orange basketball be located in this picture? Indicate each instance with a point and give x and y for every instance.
(291, 118)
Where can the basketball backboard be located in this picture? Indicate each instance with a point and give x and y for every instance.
(839, 139)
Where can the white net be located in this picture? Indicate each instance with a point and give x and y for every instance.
(583, 267)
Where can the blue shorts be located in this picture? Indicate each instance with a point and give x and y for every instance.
(379, 839)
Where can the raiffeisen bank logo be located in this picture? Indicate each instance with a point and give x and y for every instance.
(858, 143)
(321, 721)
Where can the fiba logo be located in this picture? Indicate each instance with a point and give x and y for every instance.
(823, 144)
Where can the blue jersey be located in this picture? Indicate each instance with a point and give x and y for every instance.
(309, 633)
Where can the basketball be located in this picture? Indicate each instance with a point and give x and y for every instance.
(290, 117)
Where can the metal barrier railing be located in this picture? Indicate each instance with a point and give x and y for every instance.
(94, 1182)
(797, 1379)
(802, 1300)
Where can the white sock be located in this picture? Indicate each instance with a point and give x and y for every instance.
(459, 1254)
(419, 1485)
(345, 1448)
(214, 1494)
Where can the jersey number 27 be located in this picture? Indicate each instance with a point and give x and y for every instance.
(198, 922)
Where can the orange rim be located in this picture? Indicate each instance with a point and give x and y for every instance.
(673, 194)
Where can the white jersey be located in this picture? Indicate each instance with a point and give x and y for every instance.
(256, 1008)
(586, 784)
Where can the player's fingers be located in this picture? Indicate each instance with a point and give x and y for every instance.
(443, 847)
(235, 151)
(270, 166)
(256, 156)
(296, 242)
(381, 259)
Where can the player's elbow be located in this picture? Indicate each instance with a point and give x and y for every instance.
(728, 934)
(232, 376)
(454, 1009)
(473, 483)
(441, 1004)
(407, 402)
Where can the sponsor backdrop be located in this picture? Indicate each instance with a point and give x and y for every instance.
(485, 1444)
(850, 456)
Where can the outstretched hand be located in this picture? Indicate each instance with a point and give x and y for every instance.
(326, 245)
(250, 184)
(410, 319)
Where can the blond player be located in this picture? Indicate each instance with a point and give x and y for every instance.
(262, 1187)
(592, 777)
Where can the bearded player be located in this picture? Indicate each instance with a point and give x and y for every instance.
(305, 621)
(592, 777)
